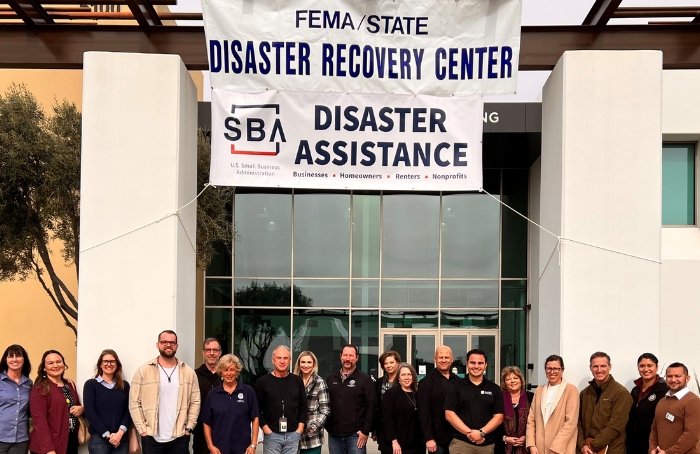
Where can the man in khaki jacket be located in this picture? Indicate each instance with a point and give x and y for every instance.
(605, 408)
(552, 425)
(164, 400)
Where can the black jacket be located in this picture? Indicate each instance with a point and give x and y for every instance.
(353, 403)
(641, 416)
(378, 426)
(431, 401)
(207, 381)
(401, 422)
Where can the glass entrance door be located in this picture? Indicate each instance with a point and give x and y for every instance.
(416, 347)
(464, 340)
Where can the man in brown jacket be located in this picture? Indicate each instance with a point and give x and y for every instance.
(676, 427)
(605, 407)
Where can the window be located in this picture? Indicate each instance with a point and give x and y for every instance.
(678, 184)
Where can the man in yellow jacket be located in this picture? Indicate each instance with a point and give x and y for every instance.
(164, 400)
(605, 408)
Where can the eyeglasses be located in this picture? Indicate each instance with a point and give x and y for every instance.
(552, 369)
(167, 342)
(212, 350)
(109, 362)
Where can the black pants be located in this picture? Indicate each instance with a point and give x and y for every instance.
(177, 446)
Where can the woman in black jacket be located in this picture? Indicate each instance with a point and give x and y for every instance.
(389, 362)
(648, 391)
(402, 428)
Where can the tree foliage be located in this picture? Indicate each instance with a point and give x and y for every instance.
(40, 196)
(39, 192)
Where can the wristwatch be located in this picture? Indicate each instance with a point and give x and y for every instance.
(504, 440)
(483, 434)
(253, 446)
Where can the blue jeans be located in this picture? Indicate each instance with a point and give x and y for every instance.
(98, 445)
(345, 444)
(281, 443)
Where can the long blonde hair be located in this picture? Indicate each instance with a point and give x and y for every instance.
(297, 369)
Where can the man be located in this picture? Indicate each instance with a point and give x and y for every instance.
(282, 402)
(353, 403)
(164, 400)
(208, 379)
(431, 401)
(474, 408)
(605, 408)
(676, 427)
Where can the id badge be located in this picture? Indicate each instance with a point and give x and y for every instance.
(283, 424)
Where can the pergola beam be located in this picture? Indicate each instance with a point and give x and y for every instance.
(601, 12)
(62, 46)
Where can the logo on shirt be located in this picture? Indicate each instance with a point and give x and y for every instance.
(351, 384)
(487, 392)
(652, 398)
(240, 395)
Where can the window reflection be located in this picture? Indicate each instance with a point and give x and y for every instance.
(263, 292)
(410, 235)
(365, 235)
(218, 324)
(409, 293)
(217, 292)
(409, 319)
(257, 332)
(365, 293)
(470, 293)
(470, 236)
(514, 247)
(322, 292)
(323, 332)
(264, 227)
(365, 335)
(322, 235)
(514, 294)
(469, 320)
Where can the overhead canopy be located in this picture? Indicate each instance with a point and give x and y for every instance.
(54, 35)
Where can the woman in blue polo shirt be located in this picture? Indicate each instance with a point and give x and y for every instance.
(228, 412)
(14, 400)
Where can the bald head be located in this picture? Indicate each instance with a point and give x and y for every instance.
(444, 359)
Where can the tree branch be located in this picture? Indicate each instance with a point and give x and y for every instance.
(56, 282)
(53, 298)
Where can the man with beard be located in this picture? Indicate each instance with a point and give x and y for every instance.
(431, 400)
(353, 404)
(164, 400)
(208, 379)
(676, 427)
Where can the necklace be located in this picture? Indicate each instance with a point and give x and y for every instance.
(413, 402)
(166, 374)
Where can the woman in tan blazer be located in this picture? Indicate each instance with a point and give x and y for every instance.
(553, 418)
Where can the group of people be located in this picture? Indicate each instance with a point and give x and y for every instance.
(167, 402)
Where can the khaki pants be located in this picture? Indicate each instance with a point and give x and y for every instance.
(462, 447)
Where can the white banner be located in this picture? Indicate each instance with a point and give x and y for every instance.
(346, 141)
(438, 47)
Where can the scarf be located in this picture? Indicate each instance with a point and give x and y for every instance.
(510, 419)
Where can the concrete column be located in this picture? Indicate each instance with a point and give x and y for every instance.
(138, 165)
(601, 184)
(680, 246)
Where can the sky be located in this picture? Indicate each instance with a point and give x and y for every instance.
(534, 12)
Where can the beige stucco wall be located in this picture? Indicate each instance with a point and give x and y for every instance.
(27, 314)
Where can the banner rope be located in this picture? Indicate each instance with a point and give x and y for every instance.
(561, 239)
(174, 213)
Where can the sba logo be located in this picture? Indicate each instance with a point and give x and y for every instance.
(255, 135)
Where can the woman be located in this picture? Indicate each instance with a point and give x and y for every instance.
(55, 407)
(15, 387)
(402, 430)
(317, 401)
(648, 391)
(230, 412)
(516, 406)
(389, 362)
(106, 399)
(555, 406)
